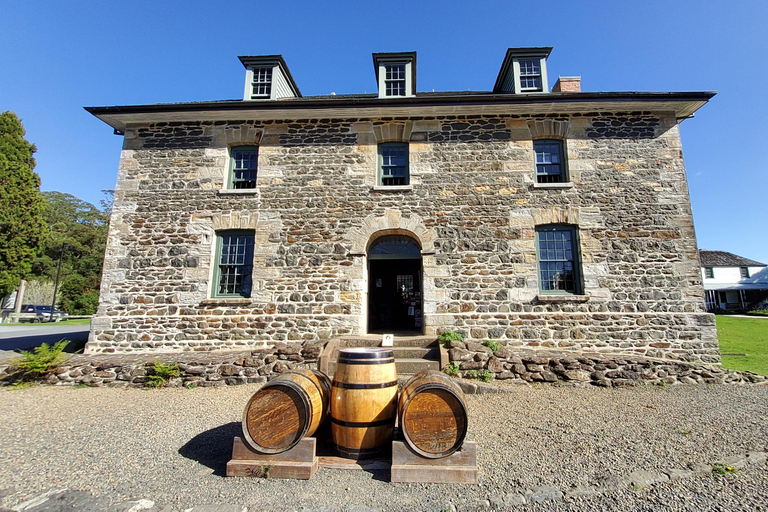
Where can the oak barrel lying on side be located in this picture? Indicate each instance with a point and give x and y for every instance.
(286, 409)
(363, 401)
(433, 415)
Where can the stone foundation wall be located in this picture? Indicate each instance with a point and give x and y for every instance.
(473, 207)
(548, 366)
(202, 369)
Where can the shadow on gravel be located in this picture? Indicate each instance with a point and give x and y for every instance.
(213, 448)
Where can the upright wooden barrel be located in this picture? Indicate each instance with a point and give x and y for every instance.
(286, 409)
(433, 415)
(363, 401)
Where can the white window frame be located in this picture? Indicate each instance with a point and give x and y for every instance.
(408, 65)
(517, 74)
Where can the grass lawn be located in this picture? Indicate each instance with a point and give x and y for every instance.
(78, 321)
(744, 336)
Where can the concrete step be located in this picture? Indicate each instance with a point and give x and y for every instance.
(407, 366)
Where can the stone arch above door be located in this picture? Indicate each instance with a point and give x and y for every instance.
(391, 223)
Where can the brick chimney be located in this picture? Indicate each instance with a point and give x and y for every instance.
(567, 84)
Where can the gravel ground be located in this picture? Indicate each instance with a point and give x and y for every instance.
(171, 446)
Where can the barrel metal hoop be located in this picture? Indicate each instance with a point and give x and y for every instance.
(359, 452)
(374, 385)
(365, 361)
(363, 424)
(367, 354)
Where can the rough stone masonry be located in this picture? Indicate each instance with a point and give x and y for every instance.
(472, 205)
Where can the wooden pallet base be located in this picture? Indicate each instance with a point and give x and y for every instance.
(299, 463)
(458, 468)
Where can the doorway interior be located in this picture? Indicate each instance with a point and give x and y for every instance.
(395, 291)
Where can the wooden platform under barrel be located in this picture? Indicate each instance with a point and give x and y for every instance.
(286, 409)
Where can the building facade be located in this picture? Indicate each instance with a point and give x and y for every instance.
(532, 217)
(732, 282)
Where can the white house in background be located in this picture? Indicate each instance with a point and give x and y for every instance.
(731, 281)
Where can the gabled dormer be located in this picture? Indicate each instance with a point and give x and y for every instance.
(267, 78)
(395, 74)
(524, 71)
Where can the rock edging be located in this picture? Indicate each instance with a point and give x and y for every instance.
(606, 370)
(207, 369)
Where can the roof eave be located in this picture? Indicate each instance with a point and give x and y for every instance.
(683, 104)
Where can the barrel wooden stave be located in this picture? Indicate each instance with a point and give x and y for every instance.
(363, 403)
(433, 414)
(284, 410)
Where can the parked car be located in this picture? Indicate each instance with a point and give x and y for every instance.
(38, 313)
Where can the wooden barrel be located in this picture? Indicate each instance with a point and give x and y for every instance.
(286, 409)
(433, 415)
(363, 401)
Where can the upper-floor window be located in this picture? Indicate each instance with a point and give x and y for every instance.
(550, 164)
(262, 83)
(244, 164)
(709, 272)
(744, 272)
(394, 80)
(393, 163)
(530, 75)
(234, 263)
(558, 259)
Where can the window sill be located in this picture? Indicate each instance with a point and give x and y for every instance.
(238, 191)
(566, 184)
(226, 301)
(393, 188)
(560, 299)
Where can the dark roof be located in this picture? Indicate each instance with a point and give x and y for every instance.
(725, 259)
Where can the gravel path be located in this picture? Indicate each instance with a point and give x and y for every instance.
(171, 446)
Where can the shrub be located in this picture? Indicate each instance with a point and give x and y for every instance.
(485, 375)
(470, 374)
(448, 338)
(493, 345)
(37, 364)
(452, 369)
(159, 373)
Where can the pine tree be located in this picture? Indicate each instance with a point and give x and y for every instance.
(21, 223)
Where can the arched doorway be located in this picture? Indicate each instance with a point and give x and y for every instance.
(395, 291)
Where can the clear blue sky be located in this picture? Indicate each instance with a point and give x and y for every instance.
(56, 57)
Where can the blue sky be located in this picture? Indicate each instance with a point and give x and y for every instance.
(58, 56)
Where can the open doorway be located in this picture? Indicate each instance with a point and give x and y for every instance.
(395, 286)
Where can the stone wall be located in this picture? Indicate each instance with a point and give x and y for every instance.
(472, 205)
(604, 370)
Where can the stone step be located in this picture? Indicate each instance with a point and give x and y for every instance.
(430, 353)
(407, 366)
(374, 340)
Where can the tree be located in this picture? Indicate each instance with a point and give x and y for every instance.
(21, 223)
(82, 227)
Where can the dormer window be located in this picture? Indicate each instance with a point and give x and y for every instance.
(523, 71)
(530, 75)
(267, 78)
(262, 83)
(395, 74)
(395, 79)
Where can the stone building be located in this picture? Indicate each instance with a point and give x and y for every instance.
(534, 218)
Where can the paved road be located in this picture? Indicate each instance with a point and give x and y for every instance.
(25, 337)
